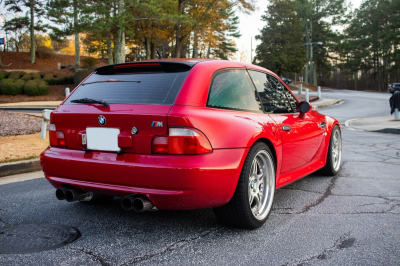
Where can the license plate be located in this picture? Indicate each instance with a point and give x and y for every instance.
(102, 139)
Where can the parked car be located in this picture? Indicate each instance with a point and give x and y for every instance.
(187, 134)
(286, 80)
(394, 87)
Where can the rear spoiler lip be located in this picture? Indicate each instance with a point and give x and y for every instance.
(186, 63)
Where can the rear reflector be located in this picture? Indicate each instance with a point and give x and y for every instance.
(181, 141)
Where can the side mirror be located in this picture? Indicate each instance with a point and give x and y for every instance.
(304, 107)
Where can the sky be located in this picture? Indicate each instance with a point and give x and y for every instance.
(250, 26)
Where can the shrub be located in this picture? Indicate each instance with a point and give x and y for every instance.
(26, 77)
(36, 87)
(80, 76)
(16, 75)
(3, 74)
(11, 86)
(60, 78)
(69, 80)
(36, 76)
(89, 62)
(50, 79)
(44, 52)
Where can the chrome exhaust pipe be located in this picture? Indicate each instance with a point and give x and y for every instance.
(74, 195)
(141, 204)
(127, 202)
(60, 193)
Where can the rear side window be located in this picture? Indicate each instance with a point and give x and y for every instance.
(144, 87)
(273, 94)
(231, 89)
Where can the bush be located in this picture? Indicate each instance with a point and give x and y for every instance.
(16, 75)
(50, 79)
(80, 76)
(89, 62)
(44, 52)
(69, 80)
(3, 74)
(60, 78)
(36, 87)
(11, 86)
(36, 76)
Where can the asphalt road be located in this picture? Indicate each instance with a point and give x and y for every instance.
(356, 104)
(350, 219)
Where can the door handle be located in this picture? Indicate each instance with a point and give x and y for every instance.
(322, 125)
(286, 128)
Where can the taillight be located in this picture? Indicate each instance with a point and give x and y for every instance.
(57, 138)
(186, 141)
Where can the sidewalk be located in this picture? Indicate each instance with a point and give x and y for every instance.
(385, 124)
(32, 104)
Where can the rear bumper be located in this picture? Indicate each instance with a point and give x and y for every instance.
(170, 182)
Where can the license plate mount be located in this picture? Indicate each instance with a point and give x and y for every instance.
(102, 139)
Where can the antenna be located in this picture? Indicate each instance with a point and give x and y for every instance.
(159, 55)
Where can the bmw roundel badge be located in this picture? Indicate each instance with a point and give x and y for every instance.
(102, 120)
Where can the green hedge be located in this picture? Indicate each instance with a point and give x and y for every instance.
(16, 75)
(36, 87)
(69, 80)
(30, 76)
(3, 74)
(11, 86)
(50, 79)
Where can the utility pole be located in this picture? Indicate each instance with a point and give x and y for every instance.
(251, 50)
(311, 56)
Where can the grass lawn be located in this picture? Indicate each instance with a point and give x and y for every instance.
(23, 147)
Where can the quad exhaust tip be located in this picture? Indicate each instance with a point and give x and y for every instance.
(71, 194)
(137, 203)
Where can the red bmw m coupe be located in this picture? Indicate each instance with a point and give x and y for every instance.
(187, 134)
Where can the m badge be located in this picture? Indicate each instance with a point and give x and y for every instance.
(156, 124)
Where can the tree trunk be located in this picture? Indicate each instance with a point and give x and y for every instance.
(178, 32)
(147, 43)
(195, 46)
(315, 73)
(208, 51)
(109, 49)
(120, 48)
(153, 54)
(31, 6)
(76, 31)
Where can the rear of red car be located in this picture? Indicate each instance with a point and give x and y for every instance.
(112, 137)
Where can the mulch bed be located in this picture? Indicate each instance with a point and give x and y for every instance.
(21, 60)
(12, 124)
(57, 93)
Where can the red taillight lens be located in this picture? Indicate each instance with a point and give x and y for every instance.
(182, 141)
(57, 138)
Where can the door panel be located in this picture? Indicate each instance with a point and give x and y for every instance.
(300, 139)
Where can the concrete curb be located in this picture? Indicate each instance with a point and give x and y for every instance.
(20, 167)
(327, 104)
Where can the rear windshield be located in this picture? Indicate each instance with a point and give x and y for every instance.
(145, 87)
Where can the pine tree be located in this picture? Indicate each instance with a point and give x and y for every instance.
(281, 38)
(35, 11)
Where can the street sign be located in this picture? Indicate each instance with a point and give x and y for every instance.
(2, 41)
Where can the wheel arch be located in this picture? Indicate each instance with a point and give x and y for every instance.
(270, 146)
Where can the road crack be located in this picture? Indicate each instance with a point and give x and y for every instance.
(5, 224)
(93, 256)
(326, 194)
(170, 247)
(344, 242)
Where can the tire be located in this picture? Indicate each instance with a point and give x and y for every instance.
(252, 201)
(334, 156)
